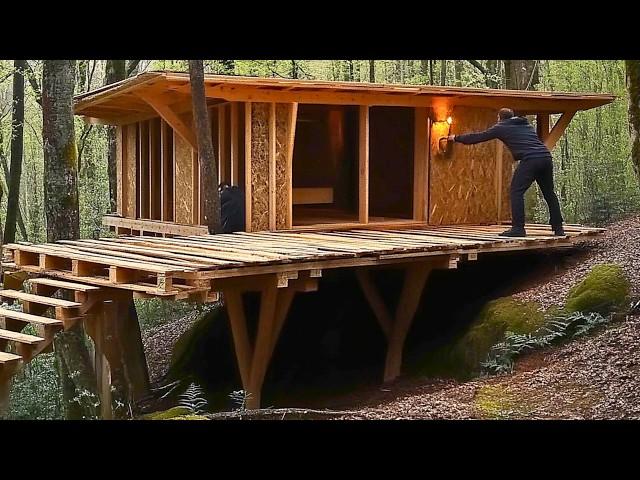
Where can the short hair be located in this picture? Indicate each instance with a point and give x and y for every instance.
(505, 113)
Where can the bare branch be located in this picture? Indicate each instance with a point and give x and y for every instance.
(479, 66)
(131, 66)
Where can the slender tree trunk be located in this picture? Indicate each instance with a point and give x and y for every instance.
(633, 85)
(521, 74)
(17, 144)
(443, 72)
(430, 72)
(115, 71)
(5, 188)
(294, 69)
(206, 154)
(372, 71)
(63, 222)
(457, 67)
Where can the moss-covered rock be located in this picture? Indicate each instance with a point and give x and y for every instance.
(190, 417)
(603, 290)
(496, 402)
(167, 414)
(463, 357)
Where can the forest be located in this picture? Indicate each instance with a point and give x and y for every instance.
(596, 162)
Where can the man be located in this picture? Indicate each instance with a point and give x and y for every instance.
(535, 164)
(231, 208)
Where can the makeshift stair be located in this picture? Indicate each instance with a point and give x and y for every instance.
(35, 307)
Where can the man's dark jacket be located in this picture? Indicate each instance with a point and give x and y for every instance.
(516, 133)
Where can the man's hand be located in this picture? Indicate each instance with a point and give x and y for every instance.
(451, 138)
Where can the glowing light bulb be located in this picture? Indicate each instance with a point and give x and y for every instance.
(449, 120)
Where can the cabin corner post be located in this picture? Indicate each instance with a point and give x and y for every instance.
(363, 165)
(421, 164)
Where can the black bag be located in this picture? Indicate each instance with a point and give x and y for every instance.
(232, 209)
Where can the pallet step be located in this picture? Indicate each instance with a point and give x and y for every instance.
(20, 337)
(27, 317)
(38, 299)
(9, 358)
(78, 287)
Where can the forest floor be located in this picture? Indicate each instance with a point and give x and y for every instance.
(595, 377)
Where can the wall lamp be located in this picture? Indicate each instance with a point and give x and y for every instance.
(442, 129)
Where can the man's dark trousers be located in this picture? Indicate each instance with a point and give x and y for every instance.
(540, 170)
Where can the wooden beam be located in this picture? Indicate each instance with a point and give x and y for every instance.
(420, 164)
(363, 166)
(247, 165)
(196, 199)
(238, 321)
(222, 146)
(171, 117)
(291, 141)
(272, 166)
(542, 126)
(558, 129)
(414, 282)
(375, 301)
(233, 128)
(263, 344)
(499, 180)
(143, 171)
(155, 169)
(166, 174)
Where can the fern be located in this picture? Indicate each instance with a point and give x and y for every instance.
(239, 398)
(501, 357)
(193, 399)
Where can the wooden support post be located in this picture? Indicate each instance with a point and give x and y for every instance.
(233, 127)
(171, 117)
(499, 180)
(272, 166)
(291, 142)
(222, 146)
(363, 166)
(375, 301)
(275, 303)
(101, 363)
(247, 165)
(542, 126)
(558, 129)
(420, 165)
(414, 282)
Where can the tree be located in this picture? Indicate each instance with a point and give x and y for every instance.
(632, 68)
(521, 74)
(372, 71)
(17, 144)
(115, 71)
(443, 72)
(208, 163)
(62, 215)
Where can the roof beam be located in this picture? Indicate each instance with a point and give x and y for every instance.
(558, 129)
(171, 117)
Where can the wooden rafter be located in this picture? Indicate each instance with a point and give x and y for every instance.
(558, 129)
(171, 117)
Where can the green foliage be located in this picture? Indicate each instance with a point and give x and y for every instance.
(35, 393)
(603, 289)
(496, 402)
(193, 399)
(502, 356)
(167, 414)
(154, 311)
(463, 357)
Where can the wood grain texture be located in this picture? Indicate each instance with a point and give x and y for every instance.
(182, 154)
(283, 173)
(462, 185)
(508, 166)
(259, 166)
(130, 173)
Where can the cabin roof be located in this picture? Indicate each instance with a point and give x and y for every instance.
(125, 101)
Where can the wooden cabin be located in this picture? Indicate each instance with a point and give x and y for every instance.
(335, 176)
(317, 154)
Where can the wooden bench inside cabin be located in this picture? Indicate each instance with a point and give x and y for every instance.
(312, 196)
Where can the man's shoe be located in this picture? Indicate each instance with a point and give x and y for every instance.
(559, 231)
(514, 233)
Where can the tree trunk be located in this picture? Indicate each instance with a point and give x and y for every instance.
(115, 71)
(17, 144)
(208, 163)
(443, 72)
(521, 74)
(5, 188)
(457, 67)
(633, 85)
(372, 71)
(430, 72)
(294, 69)
(62, 218)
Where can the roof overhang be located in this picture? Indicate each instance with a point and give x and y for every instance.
(126, 101)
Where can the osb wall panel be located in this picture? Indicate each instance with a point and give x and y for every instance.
(129, 179)
(183, 180)
(283, 123)
(260, 166)
(508, 165)
(463, 185)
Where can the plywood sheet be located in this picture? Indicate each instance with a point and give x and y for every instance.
(463, 185)
(184, 191)
(129, 179)
(260, 166)
(283, 175)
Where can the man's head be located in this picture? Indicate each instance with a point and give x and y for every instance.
(505, 113)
